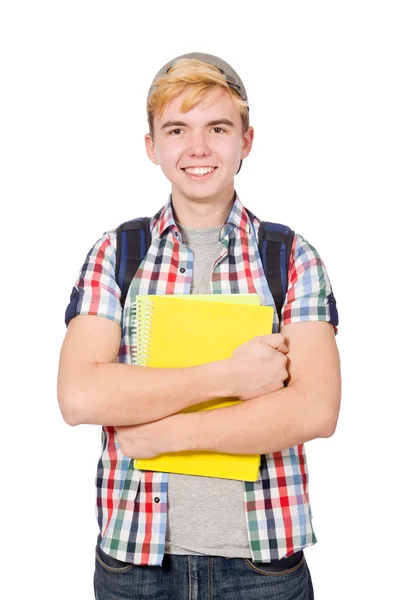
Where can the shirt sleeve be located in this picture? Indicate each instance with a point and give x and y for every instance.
(96, 291)
(309, 294)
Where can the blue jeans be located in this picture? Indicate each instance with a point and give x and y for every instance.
(197, 577)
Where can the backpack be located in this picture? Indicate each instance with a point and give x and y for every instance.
(274, 242)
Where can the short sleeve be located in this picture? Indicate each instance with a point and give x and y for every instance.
(96, 291)
(309, 296)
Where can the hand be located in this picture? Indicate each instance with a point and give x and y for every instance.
(149, 439)
(259, 366)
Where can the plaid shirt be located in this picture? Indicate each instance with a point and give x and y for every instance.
(132, 504)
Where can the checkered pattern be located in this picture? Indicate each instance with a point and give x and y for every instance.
(132, 504)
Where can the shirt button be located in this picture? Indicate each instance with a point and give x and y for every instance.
(182, 270)
(157, 499)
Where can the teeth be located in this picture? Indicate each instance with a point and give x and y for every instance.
(200, 170)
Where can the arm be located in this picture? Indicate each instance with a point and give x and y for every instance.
(307, 408)
(92, 388)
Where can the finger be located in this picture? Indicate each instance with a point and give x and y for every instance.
(274, 340)
(283, 348)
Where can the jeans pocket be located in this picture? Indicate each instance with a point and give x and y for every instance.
(111, 564)
(277, 568)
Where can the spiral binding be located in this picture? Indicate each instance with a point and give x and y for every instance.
(142, 318)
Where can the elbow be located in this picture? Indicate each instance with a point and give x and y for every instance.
(71, 417)
(69, 409)
(329, 419)
(73, 397)
(328, 428)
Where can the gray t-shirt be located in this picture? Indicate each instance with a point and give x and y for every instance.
(205, 515)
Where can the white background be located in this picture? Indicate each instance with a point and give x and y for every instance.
(321, 81)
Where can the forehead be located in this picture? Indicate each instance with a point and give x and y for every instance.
(216, 104)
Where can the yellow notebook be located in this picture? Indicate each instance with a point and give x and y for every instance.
(183, 331)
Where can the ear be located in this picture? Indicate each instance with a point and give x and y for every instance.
(151, 149)
(248, 139)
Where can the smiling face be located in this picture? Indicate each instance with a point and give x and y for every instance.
(199, 151)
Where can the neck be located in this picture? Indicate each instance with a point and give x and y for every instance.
(202, 212)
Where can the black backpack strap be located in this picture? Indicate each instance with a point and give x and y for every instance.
(133, 242)
(275, 243)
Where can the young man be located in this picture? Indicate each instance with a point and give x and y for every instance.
(178, 536)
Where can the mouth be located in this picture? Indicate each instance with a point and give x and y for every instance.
(200, 176)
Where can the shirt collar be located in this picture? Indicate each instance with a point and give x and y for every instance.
(238, 217)
(165, 219)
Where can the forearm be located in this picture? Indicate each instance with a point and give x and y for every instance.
(265, 424)
(306, 409)
(120, 394)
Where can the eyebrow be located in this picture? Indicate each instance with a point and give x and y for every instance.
(209, 124)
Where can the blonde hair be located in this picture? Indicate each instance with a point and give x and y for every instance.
(198, 79)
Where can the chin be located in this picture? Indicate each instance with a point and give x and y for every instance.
(200, 190)
(200, 194)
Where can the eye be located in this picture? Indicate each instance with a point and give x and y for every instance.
(220, 128)
(173, 131)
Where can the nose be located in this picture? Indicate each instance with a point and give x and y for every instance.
(198, 145)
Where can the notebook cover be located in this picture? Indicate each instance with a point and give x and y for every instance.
(189, 325)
